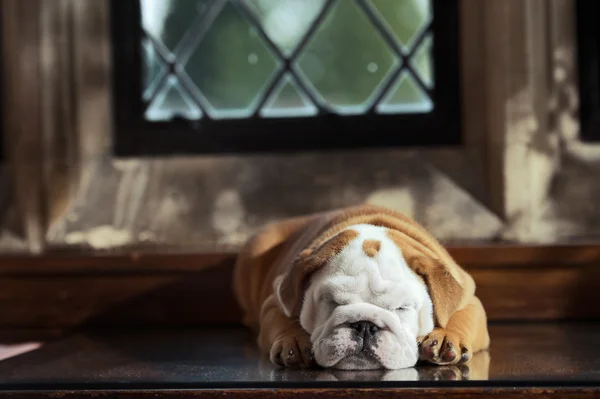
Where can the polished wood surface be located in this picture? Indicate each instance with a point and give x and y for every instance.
(522, 355)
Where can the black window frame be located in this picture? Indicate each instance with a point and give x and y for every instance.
(588, 59)
(2, 91)
(134, 136)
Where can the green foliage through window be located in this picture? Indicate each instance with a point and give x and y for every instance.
(231, 59)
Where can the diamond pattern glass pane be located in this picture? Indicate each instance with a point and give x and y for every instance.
(288, 100)
(286, 22)
(405, 18)
(346, 60)
(405, 96)
(223, 61)
(169, 21)
(422, 61)
(172, 101)
(153, 66)
(230, 66)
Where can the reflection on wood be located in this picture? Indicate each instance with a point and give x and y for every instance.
(523, 355)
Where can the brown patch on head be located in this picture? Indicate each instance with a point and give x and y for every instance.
(371, 247)
(292, 285)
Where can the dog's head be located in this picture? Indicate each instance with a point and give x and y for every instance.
(365, 295)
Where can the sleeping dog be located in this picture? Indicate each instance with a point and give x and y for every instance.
(355, 289)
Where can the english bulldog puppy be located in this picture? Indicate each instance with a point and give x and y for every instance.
(358, 288)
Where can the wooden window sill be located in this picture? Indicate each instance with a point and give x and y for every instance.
(544, 359)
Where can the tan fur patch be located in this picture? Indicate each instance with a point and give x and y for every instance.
(371, 247)
(408, 246)
(332, 247)
(445, 292)
(309, 261)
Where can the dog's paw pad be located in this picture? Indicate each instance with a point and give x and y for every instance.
(443, 348)
(448, 355)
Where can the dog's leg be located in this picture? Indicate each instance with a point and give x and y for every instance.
(465, 333)
(283, 339)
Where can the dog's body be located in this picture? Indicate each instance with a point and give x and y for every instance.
(358, 288)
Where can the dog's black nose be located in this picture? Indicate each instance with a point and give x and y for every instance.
(364, 328)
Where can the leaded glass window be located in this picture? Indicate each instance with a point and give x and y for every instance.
(588, 54)
(244, 75)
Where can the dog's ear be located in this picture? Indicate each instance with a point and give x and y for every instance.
(445, 291)
(290, 286)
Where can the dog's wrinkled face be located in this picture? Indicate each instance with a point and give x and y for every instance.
(365, 308)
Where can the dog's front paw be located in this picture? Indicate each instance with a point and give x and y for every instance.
(293, 350)
(443, 347)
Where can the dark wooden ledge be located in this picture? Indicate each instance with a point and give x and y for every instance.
(172, 260)
(44, 296)
(545, 359)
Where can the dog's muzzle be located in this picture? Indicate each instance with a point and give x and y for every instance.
(363, 336)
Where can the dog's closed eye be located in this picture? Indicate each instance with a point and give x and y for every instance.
(404, 308)
(333, 303)
(329, 300)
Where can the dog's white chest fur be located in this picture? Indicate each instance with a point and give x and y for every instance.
(365, 308)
